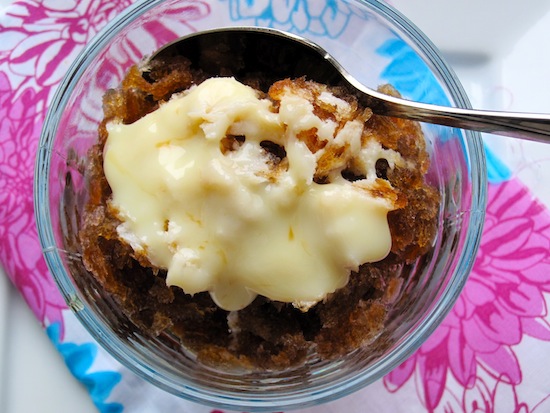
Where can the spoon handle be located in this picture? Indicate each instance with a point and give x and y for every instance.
(530, 126)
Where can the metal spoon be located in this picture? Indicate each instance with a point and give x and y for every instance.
(247, 51)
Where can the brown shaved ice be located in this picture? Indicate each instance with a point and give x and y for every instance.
(265, 334)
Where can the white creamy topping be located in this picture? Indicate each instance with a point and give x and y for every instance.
(227, 222)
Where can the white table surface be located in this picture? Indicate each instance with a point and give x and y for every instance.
(492, 67)
(33, 376)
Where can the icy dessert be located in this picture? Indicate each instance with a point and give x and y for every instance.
(256, 226)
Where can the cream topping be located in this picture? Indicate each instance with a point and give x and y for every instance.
(232, 223)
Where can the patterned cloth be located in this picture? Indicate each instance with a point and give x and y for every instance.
(487, 354)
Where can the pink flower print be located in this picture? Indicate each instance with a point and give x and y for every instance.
(20, 251)
(502, 302)
(51, 33)
(484, 396)
(17, 120)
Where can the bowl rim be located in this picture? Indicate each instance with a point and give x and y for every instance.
(403, 350)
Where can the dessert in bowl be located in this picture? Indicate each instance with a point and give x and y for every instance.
(164, 309)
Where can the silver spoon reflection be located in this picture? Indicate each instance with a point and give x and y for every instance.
(274, 54)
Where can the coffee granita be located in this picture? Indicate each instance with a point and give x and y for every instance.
(257, 224)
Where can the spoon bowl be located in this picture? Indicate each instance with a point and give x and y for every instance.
(275, 54)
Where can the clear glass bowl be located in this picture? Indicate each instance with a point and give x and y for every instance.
(377, 45)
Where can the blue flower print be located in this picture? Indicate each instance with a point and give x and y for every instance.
(324, 18)
(79, 358)
(497, 171)
(412, 77)
(409, 74)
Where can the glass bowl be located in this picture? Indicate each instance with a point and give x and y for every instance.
(377, 45)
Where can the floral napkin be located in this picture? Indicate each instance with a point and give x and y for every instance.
(488, 355)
